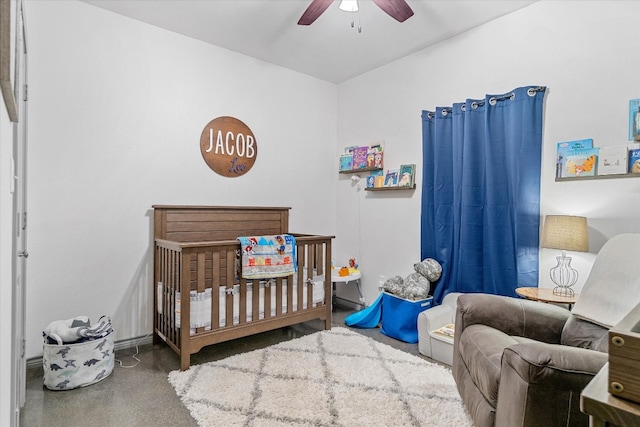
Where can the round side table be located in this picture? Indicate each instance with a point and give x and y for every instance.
(546, 295)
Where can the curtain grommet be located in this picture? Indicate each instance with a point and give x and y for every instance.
(493, 101)
(444, 113)
(474, 105)
(531, 92)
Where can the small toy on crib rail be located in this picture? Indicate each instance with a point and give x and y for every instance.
(353, 266)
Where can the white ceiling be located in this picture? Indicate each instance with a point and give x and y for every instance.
(329, 49)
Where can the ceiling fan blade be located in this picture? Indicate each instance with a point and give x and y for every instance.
(315, 9)
(397, 9)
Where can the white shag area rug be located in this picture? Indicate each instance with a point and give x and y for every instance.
(329, 378)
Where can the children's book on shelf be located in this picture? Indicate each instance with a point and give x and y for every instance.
(378, 178)
(346, 162)
(378, 160)
(634, 160)
(377, 146)
(634, 119)
(360, 157)
(371, 181)
(349, 149)
(406, 177)
(564, 148)
(391, 178)
(613, 160)
(371, 156)
(580, 163)
(375, 153)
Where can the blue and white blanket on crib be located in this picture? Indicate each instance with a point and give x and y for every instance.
(264, 257)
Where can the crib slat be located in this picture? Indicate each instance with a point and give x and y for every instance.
(242, 317)
(169, 302)
(279, 297)
(230, 257)
(312, 259)
(185, 316)
(159, 266)
(215, 293)
(300, 274)
(268, 295)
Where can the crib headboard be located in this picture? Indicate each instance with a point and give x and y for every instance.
(186, 223)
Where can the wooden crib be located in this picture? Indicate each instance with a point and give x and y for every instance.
(195, 266)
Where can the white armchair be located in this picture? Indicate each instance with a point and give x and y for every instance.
(432, 319)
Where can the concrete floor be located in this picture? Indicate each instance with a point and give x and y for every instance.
(142, 396)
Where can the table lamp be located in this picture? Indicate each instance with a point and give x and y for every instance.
(568, 233)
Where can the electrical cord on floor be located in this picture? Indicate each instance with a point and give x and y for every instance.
(135, 355)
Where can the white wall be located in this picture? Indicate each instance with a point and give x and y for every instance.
(581, 50)
(116, 112)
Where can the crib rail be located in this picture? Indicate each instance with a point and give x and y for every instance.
(196, 268)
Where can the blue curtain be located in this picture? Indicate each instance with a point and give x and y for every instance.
(481, 192)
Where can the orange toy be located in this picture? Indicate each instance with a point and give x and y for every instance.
(344, 271)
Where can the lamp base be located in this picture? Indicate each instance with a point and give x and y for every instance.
(563, 276)
(563, 291)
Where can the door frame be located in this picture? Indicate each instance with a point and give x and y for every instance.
(19, 253)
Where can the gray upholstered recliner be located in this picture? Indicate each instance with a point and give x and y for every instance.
(524, 363)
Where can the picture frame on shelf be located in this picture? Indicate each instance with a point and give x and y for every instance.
(406, 175)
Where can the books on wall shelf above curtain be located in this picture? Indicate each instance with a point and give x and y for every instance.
(581, 160)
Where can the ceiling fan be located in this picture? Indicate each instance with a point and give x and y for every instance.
(397, 9)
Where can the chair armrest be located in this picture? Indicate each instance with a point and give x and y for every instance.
(513, 316)
(437, 317)
(429, 320)
(546, 381)
(560, 366)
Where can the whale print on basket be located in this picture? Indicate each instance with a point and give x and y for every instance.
(76, 353)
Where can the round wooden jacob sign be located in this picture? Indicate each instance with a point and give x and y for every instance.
(228, 146)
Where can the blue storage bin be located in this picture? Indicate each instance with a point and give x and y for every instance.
(400, 317)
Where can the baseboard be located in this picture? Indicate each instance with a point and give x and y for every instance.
(36, 362)
(347, 303)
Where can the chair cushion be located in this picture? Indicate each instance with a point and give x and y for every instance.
(583, 334)
(481, 350)
(611, 290)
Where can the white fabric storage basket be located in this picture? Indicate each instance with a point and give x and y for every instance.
(69, 366)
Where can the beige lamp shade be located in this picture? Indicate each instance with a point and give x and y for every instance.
(565, 232)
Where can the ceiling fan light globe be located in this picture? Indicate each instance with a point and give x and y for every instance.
(349, 5)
